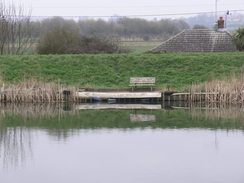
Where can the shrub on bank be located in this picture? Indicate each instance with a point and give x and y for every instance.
(239, 39)
(64, 42)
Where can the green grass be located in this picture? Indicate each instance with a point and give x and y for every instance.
(174, 70)
(140, 46)
(140, 49)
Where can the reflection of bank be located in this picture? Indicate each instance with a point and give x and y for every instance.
(133, 117)
(142, 118)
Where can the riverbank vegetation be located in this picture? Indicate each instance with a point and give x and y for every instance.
(35, 92)
(229, 90)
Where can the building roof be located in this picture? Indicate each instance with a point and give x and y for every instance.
(198, 40)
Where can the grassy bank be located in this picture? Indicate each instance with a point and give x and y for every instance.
(171, 70)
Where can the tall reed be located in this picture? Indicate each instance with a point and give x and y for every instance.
(36, 92)
(228, 91)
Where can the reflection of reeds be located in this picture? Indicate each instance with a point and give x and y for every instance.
(35, 91)
(227, 91)
(34, 111)
(219, 112)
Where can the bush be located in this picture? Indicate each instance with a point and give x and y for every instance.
(94, 45)
(64, 42)
(239, 39)
(57, 42)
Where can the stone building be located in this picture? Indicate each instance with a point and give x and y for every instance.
(198, 40)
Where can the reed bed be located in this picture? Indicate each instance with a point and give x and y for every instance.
(36, 92)
(228, 91)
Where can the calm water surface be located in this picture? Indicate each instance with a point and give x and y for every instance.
(49, 144)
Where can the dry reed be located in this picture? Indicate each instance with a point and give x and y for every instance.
(36, 92)
(228, 91)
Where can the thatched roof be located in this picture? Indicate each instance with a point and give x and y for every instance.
(198, 40)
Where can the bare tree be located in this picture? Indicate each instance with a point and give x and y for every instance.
(15, 29)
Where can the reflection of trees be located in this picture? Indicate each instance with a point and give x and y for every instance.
(15, 146)
(62, 134)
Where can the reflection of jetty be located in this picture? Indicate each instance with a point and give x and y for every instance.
(118, 106)
(142, 118)
(119, 95)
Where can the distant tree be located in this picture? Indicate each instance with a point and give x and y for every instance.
(181, 25)
(239, 39)
(15, 29)
(146, 38)
(55, 23)
(198, 26)
(132, 27)
(122, 27)
(58, 41)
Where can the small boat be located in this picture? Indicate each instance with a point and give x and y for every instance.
(112, 101)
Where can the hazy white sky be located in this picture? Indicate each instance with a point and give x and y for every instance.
(124, 7)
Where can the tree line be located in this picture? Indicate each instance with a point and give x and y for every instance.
(15, 29)
(122, 27)
(57, 35)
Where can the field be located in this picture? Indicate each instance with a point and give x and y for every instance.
(174, 71)
(140, 46)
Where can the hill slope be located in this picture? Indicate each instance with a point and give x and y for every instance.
(171, 70)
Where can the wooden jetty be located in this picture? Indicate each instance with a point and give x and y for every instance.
(135, 94)
(140, 95)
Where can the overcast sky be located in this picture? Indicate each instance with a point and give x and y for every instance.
(124, 7)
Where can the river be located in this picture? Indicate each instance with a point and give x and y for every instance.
(106, 143)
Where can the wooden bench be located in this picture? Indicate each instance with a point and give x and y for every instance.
(143, 81)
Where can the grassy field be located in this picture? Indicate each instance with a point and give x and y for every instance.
(106, 71)
(140, 46)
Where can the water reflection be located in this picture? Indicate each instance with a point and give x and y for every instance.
(145, 156)
(142, 118)
(58, 119)
(15, 146)
(62, 122)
